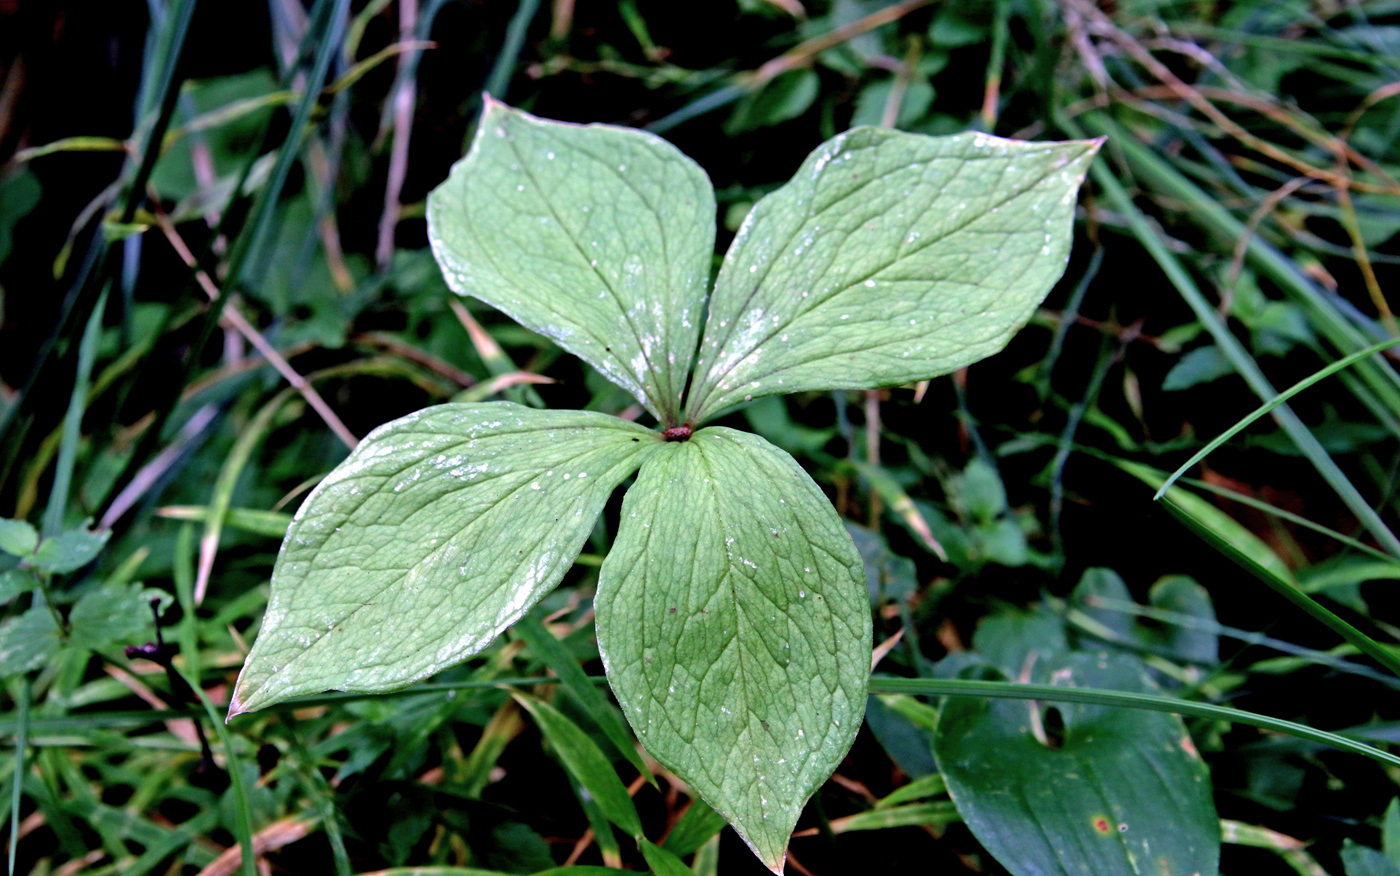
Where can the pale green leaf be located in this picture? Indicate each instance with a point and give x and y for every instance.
(597, 236)
(888, 258)
(1119, 791)
(18, 537)
(439, 531)
(734, 624)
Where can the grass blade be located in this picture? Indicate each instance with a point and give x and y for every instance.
(242, 813)
(586, 762)
(248, 439)
(1272, 403)
(960, 687)
(21, 745)
(73, 422)
(1364, 643)
(594, 703)
(1239, 358)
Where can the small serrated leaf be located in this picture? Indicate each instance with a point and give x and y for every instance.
(734, 624)
(18, 537)
(889, 258)
(596, 236)
(27, 641)
(439, 531)
(71, 550)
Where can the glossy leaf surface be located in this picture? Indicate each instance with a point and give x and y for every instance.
(1118, 791)
(596, 236)
(889, 258)
(734, 624)
(439, 531)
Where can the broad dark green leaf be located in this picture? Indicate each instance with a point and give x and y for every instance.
(439, 531)
(888, 258)
(734, 624)
(596, 236)
(586, 762)
(1123, 793)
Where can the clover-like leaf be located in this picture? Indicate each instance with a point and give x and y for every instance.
(889, 258)
(439, 531)
(596, 236)
(734, 624)
(1109, 791)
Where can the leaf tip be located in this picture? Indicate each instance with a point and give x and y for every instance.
(780, 865)
(235, 708)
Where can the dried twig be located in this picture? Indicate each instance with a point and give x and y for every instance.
(260, 343)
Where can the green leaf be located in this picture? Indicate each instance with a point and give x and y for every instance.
(1122, 792)
(586, 762)
(1182, 614)
(694, 829)
(28, 641)
(924, 786)
(18, 537)
(662, 862)
(439, 531)
(70, 551)
(114, 616)
(734, 624)
(786, 97)
(1359, 860)
(938, 815)
(253, 520)
(1197, 366)
(575, 682)
(888, 258)
(13, 582)
(596, 236)
(1390, 832)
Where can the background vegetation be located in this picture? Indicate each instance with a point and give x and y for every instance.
(1237, 234)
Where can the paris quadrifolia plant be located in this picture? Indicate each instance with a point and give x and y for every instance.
(732, 614)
